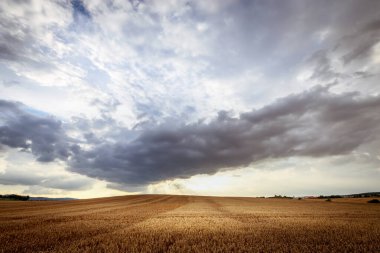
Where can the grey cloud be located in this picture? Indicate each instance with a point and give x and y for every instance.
(41, 135)
(126, 188)
(313, 123)
(14, 37)
(63, 182)
(38, 190)
(79, 10)
(22, 44)
(276, 33)
(7, 53)
(322, 67)
(9, 83)
(354, 48)
(67, 183)
(10, 178)
(361, 42)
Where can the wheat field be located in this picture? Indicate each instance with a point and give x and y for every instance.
(165, 223)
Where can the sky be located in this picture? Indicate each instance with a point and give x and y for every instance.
(228, 98)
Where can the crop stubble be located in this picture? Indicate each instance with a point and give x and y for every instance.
(164, 223)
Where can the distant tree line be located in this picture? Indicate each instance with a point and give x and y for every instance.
(330, 197)
(14, 197)
(365, 195)
(281, 197)
(358, 195)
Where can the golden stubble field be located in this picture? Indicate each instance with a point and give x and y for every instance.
(164, 223)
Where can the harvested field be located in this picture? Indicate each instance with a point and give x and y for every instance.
(164, 223)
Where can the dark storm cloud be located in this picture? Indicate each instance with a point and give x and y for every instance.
(32, 131)
(313, 123)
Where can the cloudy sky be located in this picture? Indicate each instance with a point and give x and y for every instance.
(243, 98)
